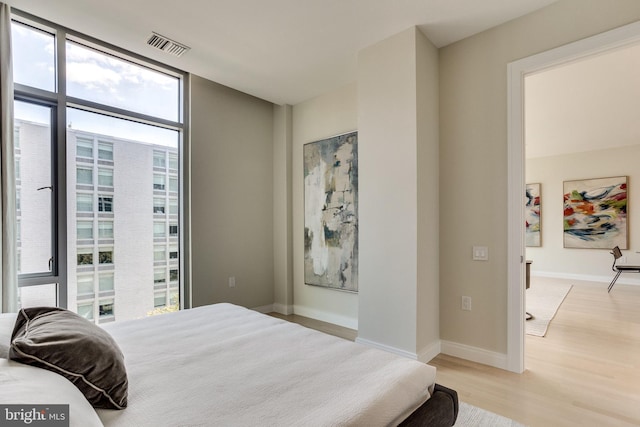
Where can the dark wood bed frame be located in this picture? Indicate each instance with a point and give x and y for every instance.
(441, 410)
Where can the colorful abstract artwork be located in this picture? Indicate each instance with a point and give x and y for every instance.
(331, 212)
(595, 213)
(532, 225)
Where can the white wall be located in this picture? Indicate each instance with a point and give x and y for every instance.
(428, 159)
(325, 116)
(388, 192)
(551, 259)
(398, 158)
(282, 210)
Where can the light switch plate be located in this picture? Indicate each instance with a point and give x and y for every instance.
(480, 253)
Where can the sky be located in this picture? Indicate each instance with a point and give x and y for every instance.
(99, 78)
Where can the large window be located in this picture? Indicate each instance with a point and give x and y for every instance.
(95, 128)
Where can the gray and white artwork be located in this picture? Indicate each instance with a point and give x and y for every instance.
(331, 212)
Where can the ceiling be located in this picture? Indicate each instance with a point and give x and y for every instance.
(284, 51)
(586, 105)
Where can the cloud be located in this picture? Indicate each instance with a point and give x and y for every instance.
(92, 76)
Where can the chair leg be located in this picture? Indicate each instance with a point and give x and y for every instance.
(613, 282)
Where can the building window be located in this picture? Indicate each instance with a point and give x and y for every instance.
(173, 229)
(173, 161)
(105, 255)
(173, 275)
(84, 176)
(173, 184)
(158, 181)
(158, 205)
(173, 252)
(159, 276)
(18, 199)
(85, 285)
(105, 282)
(84, 202)
(17, 171)
(159, 253)
(86, 310)
(159, 159)
(105, 177)
(16, 137)
(160, 299)
(159, 229)
(84, 230)
(84, 147)
(105, 229)
(85, 256)
(105, 308)
(173, 206)
(105, 203)
(105, 151)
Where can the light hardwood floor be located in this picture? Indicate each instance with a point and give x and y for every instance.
(584, 372)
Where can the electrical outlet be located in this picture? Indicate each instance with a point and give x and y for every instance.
(466, 303)
(232, 282)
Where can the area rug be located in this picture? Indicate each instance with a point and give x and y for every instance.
(543, 301)
(472, 416)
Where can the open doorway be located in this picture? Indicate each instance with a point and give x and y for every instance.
(518, 72)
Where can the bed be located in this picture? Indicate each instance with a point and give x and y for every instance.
(230, 366)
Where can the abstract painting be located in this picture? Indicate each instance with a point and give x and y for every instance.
(532, 230)
(331, 212)
(595, 213)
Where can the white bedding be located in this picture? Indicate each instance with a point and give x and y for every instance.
(224, 365)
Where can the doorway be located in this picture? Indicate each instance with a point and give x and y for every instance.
(517, 71)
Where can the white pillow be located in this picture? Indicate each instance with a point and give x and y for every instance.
(24, 384)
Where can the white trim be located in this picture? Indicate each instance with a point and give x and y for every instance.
(325, 316)
(627, 279)
(515, 219)
(264, 309)
(516, 72)
(475, 354)
(282, 308)
(387, 348)
(429, 352)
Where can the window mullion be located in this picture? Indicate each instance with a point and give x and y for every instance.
(60, 168)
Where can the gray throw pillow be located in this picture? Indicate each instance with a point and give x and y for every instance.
(63, 342)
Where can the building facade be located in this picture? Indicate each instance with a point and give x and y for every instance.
(123, 227)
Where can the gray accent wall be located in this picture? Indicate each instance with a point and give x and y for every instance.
(232, 196)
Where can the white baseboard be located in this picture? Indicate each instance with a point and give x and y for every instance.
(624, 279)
(264, 309)
(282, 308)
(387, 348)
(324, 316)
(429, 352)
(425, 355)
(474, 354)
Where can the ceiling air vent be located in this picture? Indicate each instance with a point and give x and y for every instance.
(165, 44)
